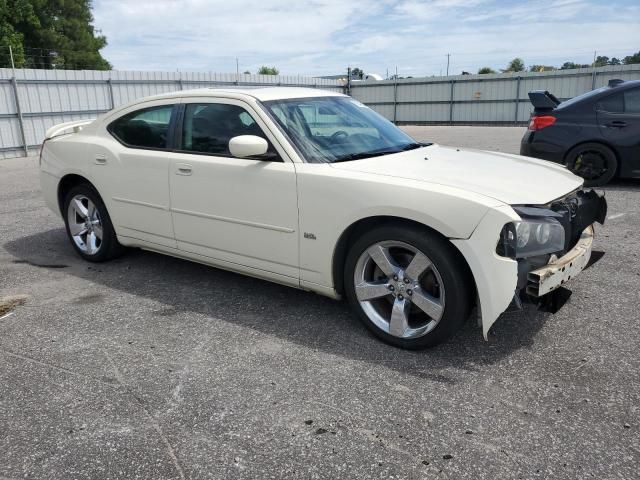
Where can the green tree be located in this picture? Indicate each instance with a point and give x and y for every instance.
(515, 65)
(601, 61)
(572, 65)
(615, 61)
(51, 33)
(268, 71)
(485, 70)
(13, 13)
(629, 59)
(247, 72)
(541, 68)
(357, 73)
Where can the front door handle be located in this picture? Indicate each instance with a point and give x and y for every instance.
(616, 124)
(183, 169)
(100, 159)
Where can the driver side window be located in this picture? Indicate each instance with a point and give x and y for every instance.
(207, 128)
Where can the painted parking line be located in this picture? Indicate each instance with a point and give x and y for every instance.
(615, 215)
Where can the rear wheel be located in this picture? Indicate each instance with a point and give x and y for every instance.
(408, 285)
(594, 162)
(89, 225)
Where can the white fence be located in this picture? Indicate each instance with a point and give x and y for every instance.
(34, 100)
(483, 99)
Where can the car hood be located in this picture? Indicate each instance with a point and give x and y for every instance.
(511, 179)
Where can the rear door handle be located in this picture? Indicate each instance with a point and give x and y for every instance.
(183, 169)
(616, 124)
(100, 160)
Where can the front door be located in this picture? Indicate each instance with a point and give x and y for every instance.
(240, 212)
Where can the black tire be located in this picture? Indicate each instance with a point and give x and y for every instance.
(594, 162)
(453, 270)
(109, 246)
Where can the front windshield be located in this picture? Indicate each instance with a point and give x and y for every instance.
(335, 129)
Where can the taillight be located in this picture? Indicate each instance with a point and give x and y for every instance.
(538, 122)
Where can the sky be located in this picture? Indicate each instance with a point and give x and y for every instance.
(323, 37)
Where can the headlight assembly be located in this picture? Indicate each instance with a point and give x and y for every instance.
(538, 233)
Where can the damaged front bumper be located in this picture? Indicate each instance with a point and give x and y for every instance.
(578, 214)
(559, 271)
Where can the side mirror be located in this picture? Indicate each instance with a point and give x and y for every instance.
(247, 146)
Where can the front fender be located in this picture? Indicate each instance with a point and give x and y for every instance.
(496, 277)
(331, 200)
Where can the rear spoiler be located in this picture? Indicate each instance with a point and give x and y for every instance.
(68, 127)
(543, 101)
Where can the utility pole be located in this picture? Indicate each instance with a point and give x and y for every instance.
(593, 74)
(448, 56)
(237, 70)
(395, 97)
(13, 65)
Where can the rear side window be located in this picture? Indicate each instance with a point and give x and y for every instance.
(627, 102)
(632, 101)
(146, 128)
(612, 103)
(207, 128)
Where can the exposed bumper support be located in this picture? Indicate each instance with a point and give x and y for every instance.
(551, 276)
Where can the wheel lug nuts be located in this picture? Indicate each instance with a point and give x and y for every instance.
(392, 288)
(400, 297)
(406, 280)
(395, 277)
(409, 292)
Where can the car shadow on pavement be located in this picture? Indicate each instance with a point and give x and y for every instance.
(622, 185)
(291, 315)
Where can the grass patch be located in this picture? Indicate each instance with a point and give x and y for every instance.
(7, 304)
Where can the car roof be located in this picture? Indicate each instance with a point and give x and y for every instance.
(626, 84)
(257, 92)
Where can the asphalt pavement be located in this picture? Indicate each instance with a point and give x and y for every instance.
(150, 367)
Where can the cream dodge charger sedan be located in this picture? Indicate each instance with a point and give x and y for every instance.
(314, 190)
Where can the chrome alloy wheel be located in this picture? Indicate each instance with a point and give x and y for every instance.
(85, 225)
(399, 289)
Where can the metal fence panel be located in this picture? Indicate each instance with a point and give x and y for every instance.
(48, 97)
(487, 99)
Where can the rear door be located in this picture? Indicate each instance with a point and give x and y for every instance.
(240, 212)
(130, 166)
(619, 122)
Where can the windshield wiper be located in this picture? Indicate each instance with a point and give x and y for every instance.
(413, 146)
(361, 155)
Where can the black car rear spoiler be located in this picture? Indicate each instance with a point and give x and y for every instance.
(543, 101)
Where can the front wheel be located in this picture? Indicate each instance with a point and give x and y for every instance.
(89, 226)
(594, 162)
(409, 286)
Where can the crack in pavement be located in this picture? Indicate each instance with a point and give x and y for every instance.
(152, 420)
(84, 376)
(120, 385)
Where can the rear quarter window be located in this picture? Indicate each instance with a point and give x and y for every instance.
(145, 128)
(632, 101)
(611, 103)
